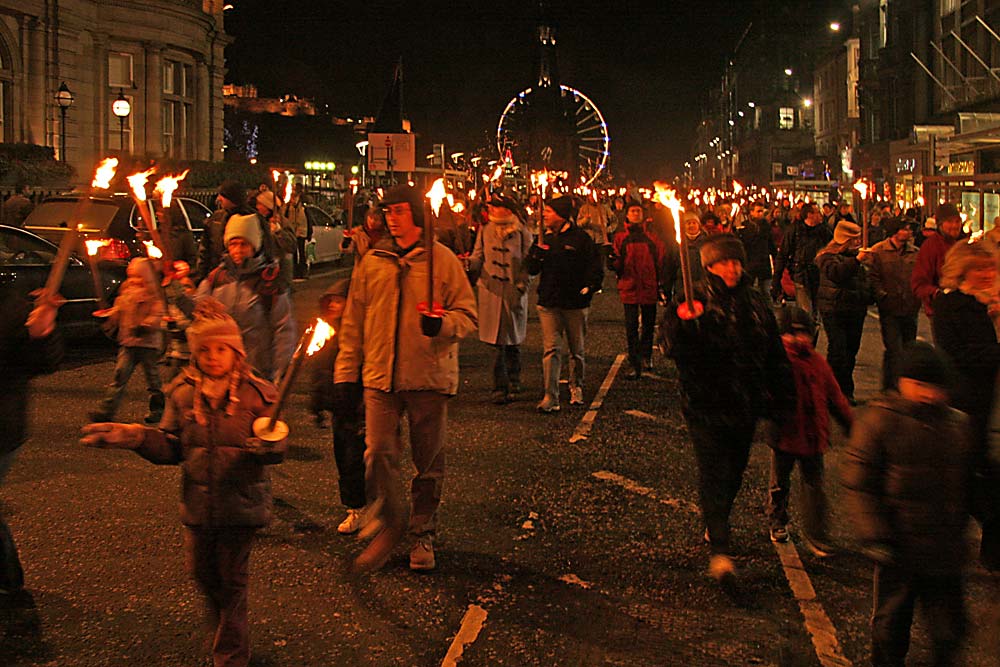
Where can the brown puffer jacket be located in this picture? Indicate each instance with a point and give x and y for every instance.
(907, 476)
(224, 484)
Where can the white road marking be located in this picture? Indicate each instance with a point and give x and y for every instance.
(587, 422)
(818, 625)
(635, 487)
(472, 624)
(645, 415)
(575, 581)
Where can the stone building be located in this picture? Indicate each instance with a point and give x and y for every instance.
(164, 56)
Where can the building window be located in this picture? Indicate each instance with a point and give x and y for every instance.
(178, 106)
(786, 118)
(120, 70)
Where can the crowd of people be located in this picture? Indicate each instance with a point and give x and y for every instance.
(765, 283)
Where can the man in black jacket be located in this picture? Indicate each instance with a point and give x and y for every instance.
(759, 244)
(803, 239)
(733, 371)
(571, 273)
(29, 346)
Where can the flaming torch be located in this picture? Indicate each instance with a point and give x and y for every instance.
(138, 184)
(540, 181)
(272, 429)
(93, 247)
(166, 186)
(690, 309)
(437, 195)
(862, 189)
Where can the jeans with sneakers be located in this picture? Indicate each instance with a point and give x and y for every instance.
(555, 322)
(349, 453)
(506, 367)
(722, 448)
(813, 496)
(11, 576)
(640, 347)
(128, 359)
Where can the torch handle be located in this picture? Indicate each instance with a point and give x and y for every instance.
(289, 377)
(429, 244)
(95, 272)
(686, 270)
(58, 270)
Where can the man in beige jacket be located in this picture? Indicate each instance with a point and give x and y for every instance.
(406, 358)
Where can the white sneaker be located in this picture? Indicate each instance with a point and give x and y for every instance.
(354, 521)
(576, 395)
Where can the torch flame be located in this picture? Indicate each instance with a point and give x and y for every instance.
(152, 250)
(497, 173)
(920, 201)
(737, 187)
(105, 172)
(288, 190)
(735, 210)
(862, 189)
(275, 176)
(94, 245)
(322, 332)
(540, 180)
(437, 194)
(668, 198)
(166, 186)
(138, 183)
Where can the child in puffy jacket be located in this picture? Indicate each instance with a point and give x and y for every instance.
(207, 429)
(804, 436)
(138, 315)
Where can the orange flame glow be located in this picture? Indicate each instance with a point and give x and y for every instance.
(540, 181)
(668, 198)
(288, 190)
(166, 186)
(94, 246)
(152, 250)
(104, 173)
(322, 332)
(497, 173)
(862, 189)
(437, 194)
(138, 183)
(737, 187)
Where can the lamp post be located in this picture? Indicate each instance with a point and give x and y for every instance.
(64, 98)
(121, 108)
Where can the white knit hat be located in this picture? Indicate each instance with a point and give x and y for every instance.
(246, 227)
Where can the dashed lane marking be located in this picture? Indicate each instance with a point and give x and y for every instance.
(587, 422)
(472, 624)
(635, 487)
(645, 415)
(818, 624)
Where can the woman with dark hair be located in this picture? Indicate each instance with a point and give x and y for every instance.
(963, 326)
(842, 301)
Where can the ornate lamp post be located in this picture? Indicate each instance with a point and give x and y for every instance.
(64, 98)
(121, 108)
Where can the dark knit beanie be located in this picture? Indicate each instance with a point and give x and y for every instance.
(406, 194)
(634, 203)
(894, 224)
(234, 192)
(792, 319)
(948, 211)
(339, 288)
(563, 206)
(922, 362)
(720, 248)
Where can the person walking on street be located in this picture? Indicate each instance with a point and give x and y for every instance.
(571, 273)
(360, 238)
(499, 258)
(733, 372)
(638, 258)
(842, 300)
(802, 240)
(231, 200)
(906, 479)
(295, 214)
(759, 244)
(926, 276)
(226, 497)
(18, 206)
(805, 435)
(406, 359)
(278, 238)
(890, 267)
(30, 345)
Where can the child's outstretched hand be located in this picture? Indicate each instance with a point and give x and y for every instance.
(108, 435)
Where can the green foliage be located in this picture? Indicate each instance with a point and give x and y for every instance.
(34, 165)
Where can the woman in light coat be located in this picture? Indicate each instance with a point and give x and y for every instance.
(501, 247)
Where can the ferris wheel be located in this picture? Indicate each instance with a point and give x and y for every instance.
(591, 139)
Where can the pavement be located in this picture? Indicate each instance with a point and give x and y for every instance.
(565, 539)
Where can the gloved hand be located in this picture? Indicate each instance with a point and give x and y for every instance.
(109, 435)
(430, 325)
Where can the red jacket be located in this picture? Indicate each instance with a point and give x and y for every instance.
(816, 392)
(638, 260)
(926, 276)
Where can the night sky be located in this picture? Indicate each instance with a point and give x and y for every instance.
(647, 65)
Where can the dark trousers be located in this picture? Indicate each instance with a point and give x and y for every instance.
(843, 336)
(128, 359)
(640, 346)
(11, 574)
(722, 450)
(349, 453)
(301, 268)
(811, 487)
(897, 331)
(941, 598)
(506, 366)
(219, 562)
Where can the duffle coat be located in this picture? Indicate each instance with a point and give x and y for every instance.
(499, 257)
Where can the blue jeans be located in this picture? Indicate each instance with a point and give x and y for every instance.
(556, 322)
(128, 359)
(11, 574)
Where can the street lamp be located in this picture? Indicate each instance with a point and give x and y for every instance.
(64, 98)
(121, 108)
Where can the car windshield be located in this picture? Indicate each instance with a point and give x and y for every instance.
(95, 217)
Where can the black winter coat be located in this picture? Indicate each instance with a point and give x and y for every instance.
(731, 361)
(759, 245)
(21, 358)
(907, 473)
(572, 262)
(843, 283)
(798, 251)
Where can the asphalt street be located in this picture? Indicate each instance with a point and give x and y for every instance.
(550, 551)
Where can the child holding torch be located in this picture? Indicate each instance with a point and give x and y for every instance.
(206, 429)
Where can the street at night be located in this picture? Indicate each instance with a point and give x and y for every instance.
(551, 552)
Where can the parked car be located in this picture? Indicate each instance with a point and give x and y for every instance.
(327, 232)
(25, 261)
(196, 215)
(102, 218)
